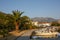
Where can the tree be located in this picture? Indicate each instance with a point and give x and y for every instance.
(16, 16)
(10, 24)
(55, 24)
(3, 24)
(25, 22)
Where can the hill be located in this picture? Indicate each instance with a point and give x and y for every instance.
(43, 19)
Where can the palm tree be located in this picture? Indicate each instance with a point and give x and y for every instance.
(16, 16)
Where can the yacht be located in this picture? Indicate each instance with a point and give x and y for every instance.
(46, 33)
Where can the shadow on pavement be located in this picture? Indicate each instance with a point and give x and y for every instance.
(23, 38)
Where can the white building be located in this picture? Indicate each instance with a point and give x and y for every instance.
(44, 24)
(39, 24)
(35, 23)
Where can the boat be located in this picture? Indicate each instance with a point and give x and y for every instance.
(46, 33)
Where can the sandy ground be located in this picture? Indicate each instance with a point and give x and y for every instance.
(13, 35)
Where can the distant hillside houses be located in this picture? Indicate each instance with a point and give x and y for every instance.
(41, 24)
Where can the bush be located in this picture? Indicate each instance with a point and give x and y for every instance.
(55, 24)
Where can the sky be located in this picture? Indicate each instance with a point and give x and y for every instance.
(32, 8)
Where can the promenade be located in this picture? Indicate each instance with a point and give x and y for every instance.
(26, 35)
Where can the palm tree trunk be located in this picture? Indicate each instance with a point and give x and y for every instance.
(16, 26)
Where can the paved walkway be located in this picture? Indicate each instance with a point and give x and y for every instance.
(26, 35)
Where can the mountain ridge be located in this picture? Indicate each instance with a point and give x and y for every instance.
(43, 19)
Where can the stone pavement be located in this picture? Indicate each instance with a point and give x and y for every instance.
(25, 36)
